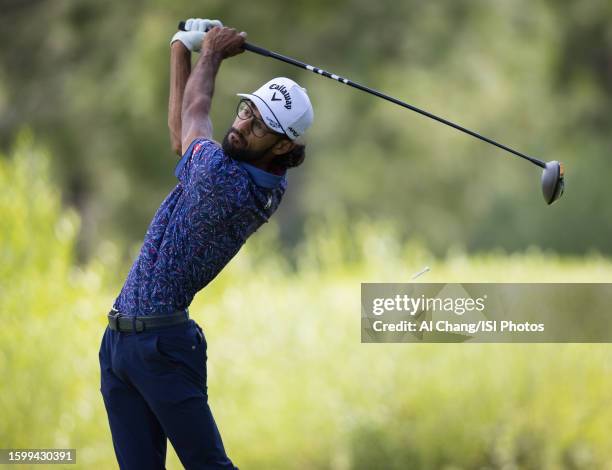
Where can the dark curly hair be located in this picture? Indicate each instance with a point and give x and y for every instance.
(293, 158)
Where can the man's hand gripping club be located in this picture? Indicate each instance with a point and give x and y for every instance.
(191, 95)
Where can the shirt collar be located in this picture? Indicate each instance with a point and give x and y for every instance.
(261, 177)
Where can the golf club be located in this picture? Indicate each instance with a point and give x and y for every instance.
(552, 174)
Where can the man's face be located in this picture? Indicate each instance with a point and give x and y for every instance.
(242, 143)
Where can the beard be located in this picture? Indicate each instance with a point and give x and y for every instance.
(240, 154)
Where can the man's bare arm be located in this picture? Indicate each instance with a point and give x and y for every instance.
(219, 43)
(180, 68)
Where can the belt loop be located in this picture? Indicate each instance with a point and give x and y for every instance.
(113, 317)
(141, 324)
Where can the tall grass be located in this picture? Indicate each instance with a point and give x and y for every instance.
(290, 384)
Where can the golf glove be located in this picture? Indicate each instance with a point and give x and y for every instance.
(195, 29)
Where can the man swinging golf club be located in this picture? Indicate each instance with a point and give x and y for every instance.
(152, 356)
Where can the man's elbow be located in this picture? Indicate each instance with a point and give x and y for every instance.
(175, 139)
(196, 108)
(177, 148)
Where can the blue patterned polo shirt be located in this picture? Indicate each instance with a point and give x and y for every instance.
(217, 204)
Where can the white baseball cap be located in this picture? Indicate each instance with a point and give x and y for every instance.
(284, 106)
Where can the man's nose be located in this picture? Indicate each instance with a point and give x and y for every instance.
(243, 125)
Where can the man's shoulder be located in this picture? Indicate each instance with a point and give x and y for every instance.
(203, 146)
(209, 155)
(199, 153)
(212, 166)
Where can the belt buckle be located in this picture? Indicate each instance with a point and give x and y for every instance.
(113, 319)
(138, 325)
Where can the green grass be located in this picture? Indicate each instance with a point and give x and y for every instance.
(290, 384)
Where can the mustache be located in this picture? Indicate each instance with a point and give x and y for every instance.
(240, 136)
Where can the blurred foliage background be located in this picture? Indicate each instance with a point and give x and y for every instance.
(91, 79)
(290, 384)
(85, 160)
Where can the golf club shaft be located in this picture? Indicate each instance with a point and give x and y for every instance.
(265, 52)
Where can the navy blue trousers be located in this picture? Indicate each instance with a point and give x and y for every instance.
(154, 388)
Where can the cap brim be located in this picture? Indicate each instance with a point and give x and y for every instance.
(265, 111)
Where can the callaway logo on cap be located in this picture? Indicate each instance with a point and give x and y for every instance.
(284, 106)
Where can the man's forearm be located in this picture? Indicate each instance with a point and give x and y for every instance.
(218, 44)
(198, 99)
(201, 85)
(180, 68)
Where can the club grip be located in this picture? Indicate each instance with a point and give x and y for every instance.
(247, 46)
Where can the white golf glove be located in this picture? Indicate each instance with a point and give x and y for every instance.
(195, 29)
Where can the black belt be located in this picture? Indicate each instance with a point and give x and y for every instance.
(129, 323)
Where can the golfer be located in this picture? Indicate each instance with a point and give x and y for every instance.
(153, 356)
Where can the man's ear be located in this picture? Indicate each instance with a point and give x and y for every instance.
(282, 147)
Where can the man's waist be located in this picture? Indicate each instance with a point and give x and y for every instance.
(119, 321)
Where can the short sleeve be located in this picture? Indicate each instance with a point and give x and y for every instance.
(196, 151)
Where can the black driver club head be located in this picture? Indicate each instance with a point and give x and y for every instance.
(552, 181)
